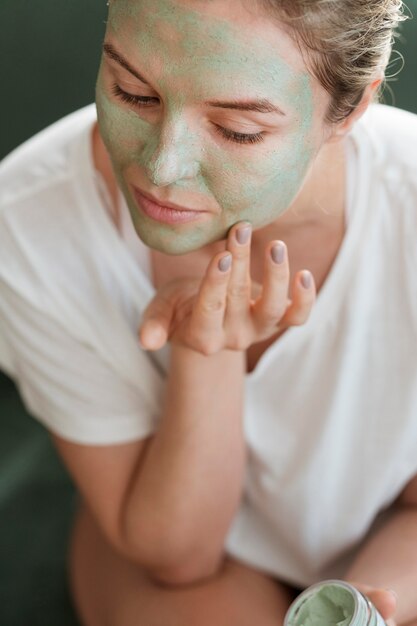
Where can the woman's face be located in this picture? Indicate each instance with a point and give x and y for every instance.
(167, 138)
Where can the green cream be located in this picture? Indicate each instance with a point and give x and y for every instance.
(190, 56)
(329, 606)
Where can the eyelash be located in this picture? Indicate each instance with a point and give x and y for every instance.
(144, 101)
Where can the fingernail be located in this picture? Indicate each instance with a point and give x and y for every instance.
(306, 279)
(278, 253)
(243, 234)
(225, 263)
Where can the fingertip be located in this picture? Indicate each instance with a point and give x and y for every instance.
(393, 593)
(225, 263)
(152, 336)
(306, 279)
(386, 605)
(277, 252)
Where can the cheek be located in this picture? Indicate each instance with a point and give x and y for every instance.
(262, 186)
(126, 136)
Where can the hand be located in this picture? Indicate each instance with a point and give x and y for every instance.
(384, 600)
(219, 312)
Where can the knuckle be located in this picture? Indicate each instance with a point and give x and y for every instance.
(298, 319)
(152, 320)
(236, 342)
(212, 306)
(238, 291)
(205, 346)
(208, 348)
(272, 316)
(158, 308)
(240, 253)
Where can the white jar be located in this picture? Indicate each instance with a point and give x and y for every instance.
(332, 603)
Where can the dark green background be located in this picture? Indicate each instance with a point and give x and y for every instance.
(49, 54)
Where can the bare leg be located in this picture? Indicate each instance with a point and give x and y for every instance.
(110, 591)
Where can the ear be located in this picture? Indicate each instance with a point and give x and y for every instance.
(342, 128)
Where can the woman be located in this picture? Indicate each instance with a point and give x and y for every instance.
(255, 438)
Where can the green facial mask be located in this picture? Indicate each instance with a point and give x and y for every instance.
(190, 58)
(330, 606)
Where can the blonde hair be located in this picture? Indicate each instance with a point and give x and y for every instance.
(348, 43)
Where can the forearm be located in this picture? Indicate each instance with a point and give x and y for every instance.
(389, 559)
(190, 481)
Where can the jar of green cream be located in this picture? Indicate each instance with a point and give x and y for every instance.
(332, 603)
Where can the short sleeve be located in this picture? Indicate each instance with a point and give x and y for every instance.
(63, 382)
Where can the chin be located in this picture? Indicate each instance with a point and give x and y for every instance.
(170, 243)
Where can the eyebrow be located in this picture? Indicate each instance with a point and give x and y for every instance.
(112, 53)
(259, 106)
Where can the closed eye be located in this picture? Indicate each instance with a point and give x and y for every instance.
(230, 135)
(145, 101)
(130, 98)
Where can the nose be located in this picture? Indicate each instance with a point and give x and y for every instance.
(172, 154)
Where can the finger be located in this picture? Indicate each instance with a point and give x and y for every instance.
(208, 312)
(156, 322)
(302, 301)
(239, 291)
(384, 600)
(273, 303)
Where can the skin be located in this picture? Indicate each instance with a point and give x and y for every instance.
(190, 52)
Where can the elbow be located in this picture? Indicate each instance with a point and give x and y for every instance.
(170, 564)
(187, 574)
(168, 559)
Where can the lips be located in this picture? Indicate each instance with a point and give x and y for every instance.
(168, 214)
(163, 203)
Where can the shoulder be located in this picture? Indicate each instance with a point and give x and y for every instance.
(38, 180)
(386, 139)
(393, 135)
(389, 159)
(43, 159)
(39, 221)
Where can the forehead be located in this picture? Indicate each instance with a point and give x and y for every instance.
(203, 38)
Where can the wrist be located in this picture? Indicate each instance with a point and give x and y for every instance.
(183, 351)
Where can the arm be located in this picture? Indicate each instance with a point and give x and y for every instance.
(189, 483)
(389, 558)
(167, 502)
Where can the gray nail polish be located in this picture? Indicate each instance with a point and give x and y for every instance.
(243, 234)
(306, 280)
(225, 263)
(278, 253)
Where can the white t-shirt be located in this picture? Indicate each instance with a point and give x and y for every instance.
(330, 412)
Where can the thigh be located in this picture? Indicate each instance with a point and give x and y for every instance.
(110, 591)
